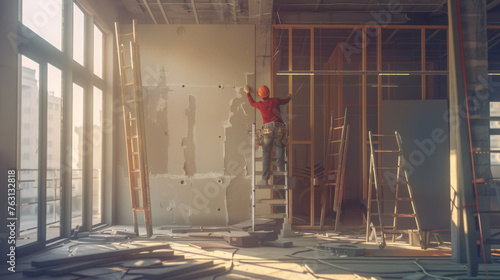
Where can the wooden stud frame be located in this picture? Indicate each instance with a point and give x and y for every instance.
(330, 100)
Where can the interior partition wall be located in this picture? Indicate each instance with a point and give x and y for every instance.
(354, 67)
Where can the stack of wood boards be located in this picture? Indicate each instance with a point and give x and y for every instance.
(145, 262)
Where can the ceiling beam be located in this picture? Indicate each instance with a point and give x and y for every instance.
(163, 11)
(438, 10)
(149, 10)
(316, 7)
(195, 12)
(492, 5)
(304, 17)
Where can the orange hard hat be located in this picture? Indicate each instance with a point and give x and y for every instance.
(263, 91)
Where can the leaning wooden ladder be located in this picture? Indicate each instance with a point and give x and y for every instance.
(400, 179)
(336, 156)
(133, 116)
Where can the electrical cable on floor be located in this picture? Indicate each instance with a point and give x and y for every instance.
(430, 275)
(230, 267)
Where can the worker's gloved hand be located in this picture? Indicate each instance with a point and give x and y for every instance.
(246, 89)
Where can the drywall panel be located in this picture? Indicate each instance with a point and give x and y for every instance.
(423, 127)
(198, 122)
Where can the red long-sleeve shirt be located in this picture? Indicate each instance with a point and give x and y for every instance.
(269, 108)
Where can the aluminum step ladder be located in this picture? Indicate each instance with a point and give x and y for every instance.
(375, 182)
(279, 191)
(133, 116)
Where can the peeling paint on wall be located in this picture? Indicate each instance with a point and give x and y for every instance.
(188, 141)
(197, 122)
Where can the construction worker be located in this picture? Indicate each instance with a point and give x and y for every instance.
(273, 129)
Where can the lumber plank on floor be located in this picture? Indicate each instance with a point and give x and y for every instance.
(174, 270)
(66, 269)
(162, 254)
(200, 273)
(89, 257)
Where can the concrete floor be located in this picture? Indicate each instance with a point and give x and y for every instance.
(301, 261)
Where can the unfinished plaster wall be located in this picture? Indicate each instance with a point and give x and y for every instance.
(198, 124)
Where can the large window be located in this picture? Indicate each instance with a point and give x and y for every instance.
(29, 150)
(77, 156)
(45, 19)
(45, 121)
(78, 34)
(98, 51)
(54, 110)
(97, 157)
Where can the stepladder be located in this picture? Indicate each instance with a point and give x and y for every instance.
(335, 162)
(270, 200)
(387, 174)
(133, 117)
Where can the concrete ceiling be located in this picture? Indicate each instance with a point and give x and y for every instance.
(287, 11)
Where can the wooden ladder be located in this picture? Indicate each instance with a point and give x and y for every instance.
(374, 182)
(336, 156)
(133, 116)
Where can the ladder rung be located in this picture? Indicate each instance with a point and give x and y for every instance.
(129, 84)
(135, 170)
(396, 199)
(126, 34)
(273, 160)
(127, 66)
(335, 141)
(386, 151)
(332, 155)
(137, 189)
(275, 187)
(381, 168)
(272, 172)
(330, 184)
(272, 201)
(130, 101)
(272, 216)
(138, 209)
(396, 215)
(385, 184)
(384, 135)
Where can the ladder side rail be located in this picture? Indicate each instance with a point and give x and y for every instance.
(342, 178)
(339, 167)
(370, 194)
(377, 193)
(140, 126)
(329, 145)
(410, 191)
(396, 201)
(125, 109)
(287, 191)
(253, 176)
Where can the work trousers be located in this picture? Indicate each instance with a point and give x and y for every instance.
(270, 139)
